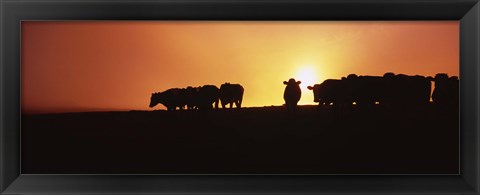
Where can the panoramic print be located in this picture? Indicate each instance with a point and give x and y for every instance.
(240, 97)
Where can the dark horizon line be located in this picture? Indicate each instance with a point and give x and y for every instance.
(133, 110)
(156, 110)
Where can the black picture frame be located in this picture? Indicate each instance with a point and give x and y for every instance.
(12, 12)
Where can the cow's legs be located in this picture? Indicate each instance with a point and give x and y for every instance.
(239, 103)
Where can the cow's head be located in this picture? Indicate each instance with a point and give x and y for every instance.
(154, 99)
(292, 82)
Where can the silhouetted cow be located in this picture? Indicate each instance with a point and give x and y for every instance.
(207, 95)
(403, 91)
(292, 94)
(231, 93)
(317, 88)
(363, 90)
(171, 99)
(330, 91)
(366, 91)
(192, 97)
(446, 92)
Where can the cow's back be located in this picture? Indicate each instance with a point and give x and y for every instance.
(231, 92)
(207, 95)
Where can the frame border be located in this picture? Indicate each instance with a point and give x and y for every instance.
(12, 12)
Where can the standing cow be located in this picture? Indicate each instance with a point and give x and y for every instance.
(171, 98)
(230, 94)
(330, 92)
(390, 90)
(403, 91)
(192, 97)
(446, 92)
(208, 95)
(292, 94)
(365, 91)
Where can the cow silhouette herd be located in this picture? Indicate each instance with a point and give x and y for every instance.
(389, 91)
(204, 97)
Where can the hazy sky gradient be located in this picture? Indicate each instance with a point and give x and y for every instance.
(93, 66)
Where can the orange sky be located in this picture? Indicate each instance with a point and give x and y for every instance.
(93, 66)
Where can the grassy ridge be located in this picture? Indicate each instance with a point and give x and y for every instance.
(264, 140)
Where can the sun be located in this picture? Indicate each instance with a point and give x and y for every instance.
(307, 75)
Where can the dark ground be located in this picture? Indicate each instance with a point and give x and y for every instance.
(247, 141)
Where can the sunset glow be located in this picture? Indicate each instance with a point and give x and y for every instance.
(308, 75)
(99, 66)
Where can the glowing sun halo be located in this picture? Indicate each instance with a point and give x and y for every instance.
(307, 75)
